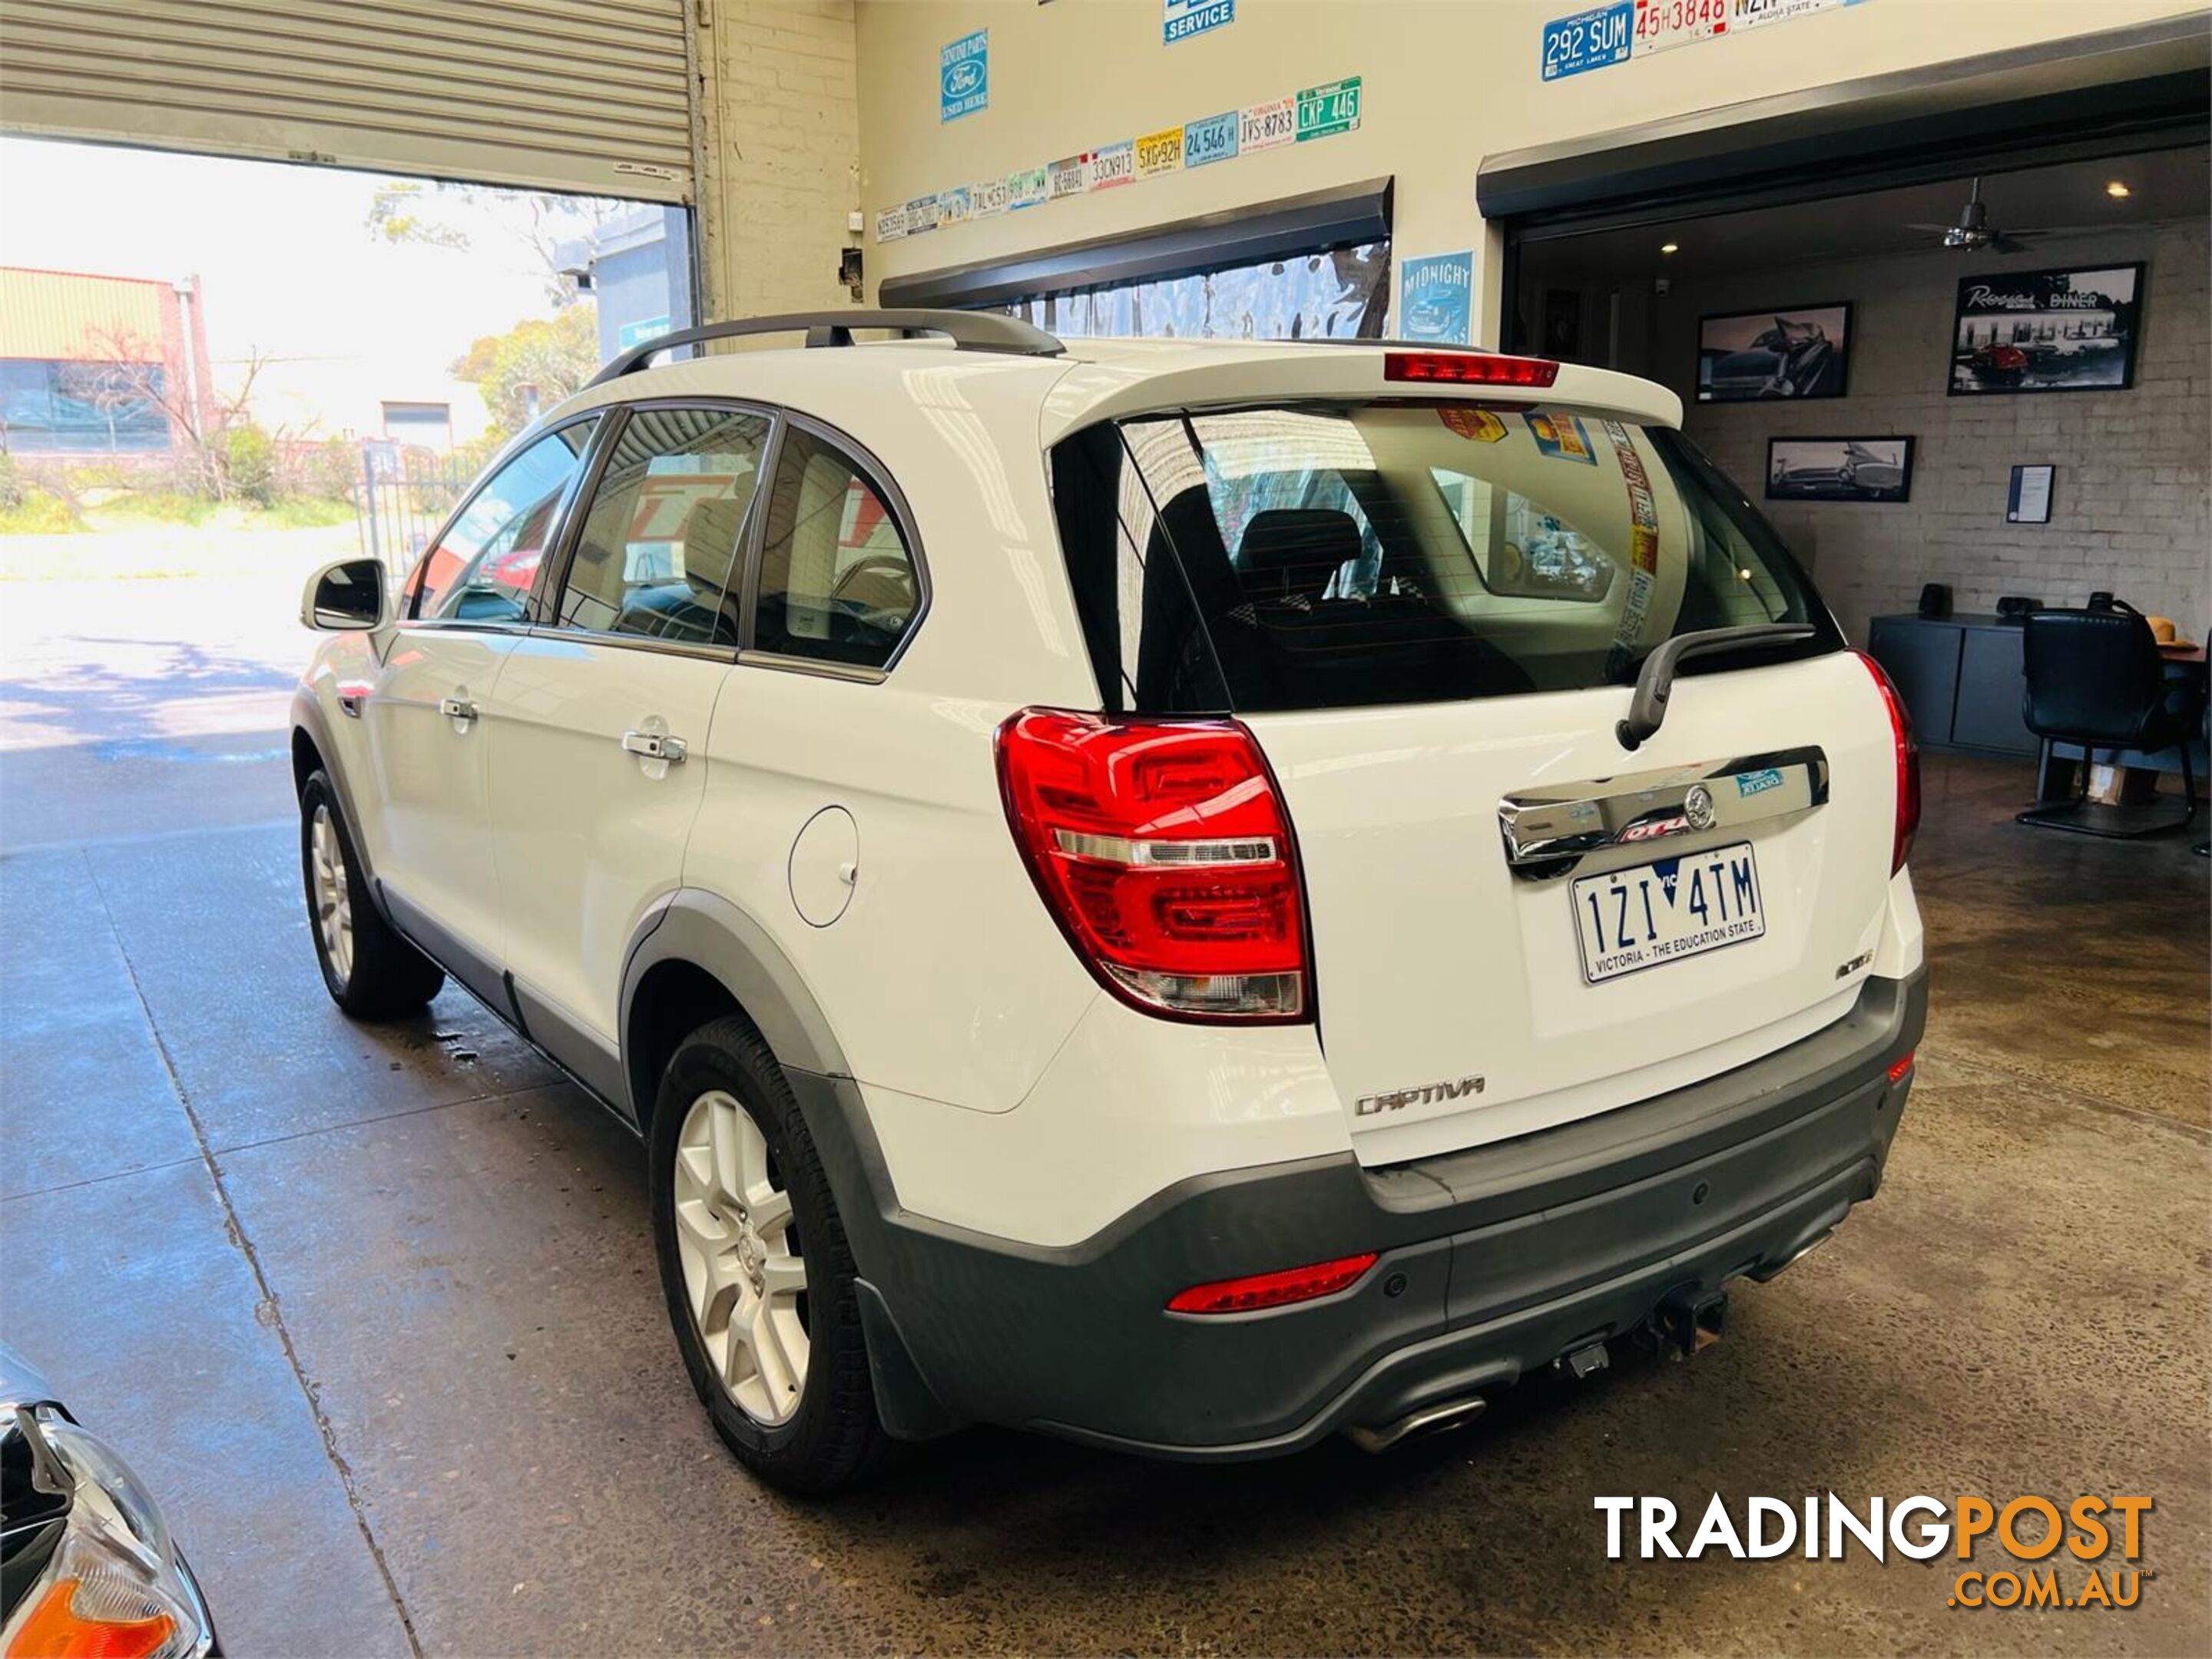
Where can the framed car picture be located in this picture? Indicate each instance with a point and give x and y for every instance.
(1838, 469)
(1792, 351)
(2046, 330)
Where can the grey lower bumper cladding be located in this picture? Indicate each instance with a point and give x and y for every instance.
(1494, 1261)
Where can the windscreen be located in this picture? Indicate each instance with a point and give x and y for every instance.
(1317, 556)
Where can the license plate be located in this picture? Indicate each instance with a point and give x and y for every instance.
(1660, 912)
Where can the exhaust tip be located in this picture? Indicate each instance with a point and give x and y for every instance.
(1429, 1419)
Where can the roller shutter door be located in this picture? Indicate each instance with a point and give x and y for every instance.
(590, 95)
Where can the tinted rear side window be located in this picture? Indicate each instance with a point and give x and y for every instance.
(1338, 554)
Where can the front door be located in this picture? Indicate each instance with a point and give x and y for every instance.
(463, 610)
(597, 728)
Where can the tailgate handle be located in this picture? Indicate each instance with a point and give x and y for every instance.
(1547, 830)
(1647, 711)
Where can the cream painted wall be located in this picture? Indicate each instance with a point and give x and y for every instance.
(1444, 81)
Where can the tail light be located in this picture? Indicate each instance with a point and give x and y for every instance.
(1900, 1065)
(1274, 1289)
(1908, 765)
(1163, 850)
(1468, 368)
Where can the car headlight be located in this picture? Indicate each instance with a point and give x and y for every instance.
(114, 1586)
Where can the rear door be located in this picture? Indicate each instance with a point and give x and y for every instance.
(597, 731)
(1431, 615)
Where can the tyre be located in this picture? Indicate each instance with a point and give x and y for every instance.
(755, 1267)
(370, 971)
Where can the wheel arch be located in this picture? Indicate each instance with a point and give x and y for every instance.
(696, 956)
(312, 751)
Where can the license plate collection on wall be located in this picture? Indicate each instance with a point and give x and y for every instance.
(1310, 113)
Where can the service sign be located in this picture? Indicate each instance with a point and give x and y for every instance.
(1159, 152)
(1186, 18)
(891, 224)
(1030, 187)
(1328, 109)
(987, 198)
(1213, 139)
(964, 77)
(1114, 166)
(1263, 126)
(1597, 38)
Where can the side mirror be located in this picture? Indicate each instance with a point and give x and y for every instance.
(345, 595)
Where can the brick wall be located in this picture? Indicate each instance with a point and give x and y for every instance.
(781, 114)
(2128, 511)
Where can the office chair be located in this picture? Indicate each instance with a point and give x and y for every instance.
(2095, 679)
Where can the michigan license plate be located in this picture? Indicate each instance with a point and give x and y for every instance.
(1667, 910)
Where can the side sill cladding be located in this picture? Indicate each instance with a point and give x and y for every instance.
(711, 933)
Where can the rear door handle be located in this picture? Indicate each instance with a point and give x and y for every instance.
(655, 745)
(459, 710)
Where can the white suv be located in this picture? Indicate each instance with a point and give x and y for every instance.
(1167, 892)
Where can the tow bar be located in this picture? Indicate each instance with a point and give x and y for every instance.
(1687, 1319)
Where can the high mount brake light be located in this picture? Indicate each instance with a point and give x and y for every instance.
(1907, 754)
(1468, 368)
(1274, 1289)
(1163, 850)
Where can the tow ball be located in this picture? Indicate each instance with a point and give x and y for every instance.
(1687, 1320)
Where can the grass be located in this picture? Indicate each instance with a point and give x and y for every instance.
(41, 513)
(38, 515)
(307, 513)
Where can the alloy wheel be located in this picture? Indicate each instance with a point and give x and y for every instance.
(743, 1275)
(333, 898)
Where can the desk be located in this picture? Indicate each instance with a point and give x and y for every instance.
(1961, 677)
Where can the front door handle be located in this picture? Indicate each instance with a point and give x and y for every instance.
(655, 745)
(459, 710)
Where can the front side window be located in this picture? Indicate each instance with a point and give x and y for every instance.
(482, 568)
(837, 579)
(1333, 554)
(661, 551)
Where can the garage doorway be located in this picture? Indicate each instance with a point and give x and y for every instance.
(217, 373)
(1316, 266)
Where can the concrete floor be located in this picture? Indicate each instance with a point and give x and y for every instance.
(374, 1311)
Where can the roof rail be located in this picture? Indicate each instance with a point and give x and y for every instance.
(969, 331)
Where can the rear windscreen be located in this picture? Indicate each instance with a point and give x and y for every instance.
(1331, 554)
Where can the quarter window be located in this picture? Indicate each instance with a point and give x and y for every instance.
(482, 568)
(661, 552)
(837, 579)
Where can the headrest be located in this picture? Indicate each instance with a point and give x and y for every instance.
(1290, 552)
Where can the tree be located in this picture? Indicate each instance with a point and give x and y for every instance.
(124, 373)
(533, 365)
(438, 213)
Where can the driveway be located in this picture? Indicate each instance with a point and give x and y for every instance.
(134, 705)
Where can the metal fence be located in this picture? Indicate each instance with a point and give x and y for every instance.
(401, 498)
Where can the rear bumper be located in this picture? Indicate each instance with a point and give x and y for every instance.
(1494, 1261)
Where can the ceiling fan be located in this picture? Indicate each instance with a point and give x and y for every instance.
(1974, 232)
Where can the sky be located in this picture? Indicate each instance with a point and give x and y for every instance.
(289, 265)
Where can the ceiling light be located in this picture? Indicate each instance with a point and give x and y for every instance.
(2118, 192)
(1670, 248)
